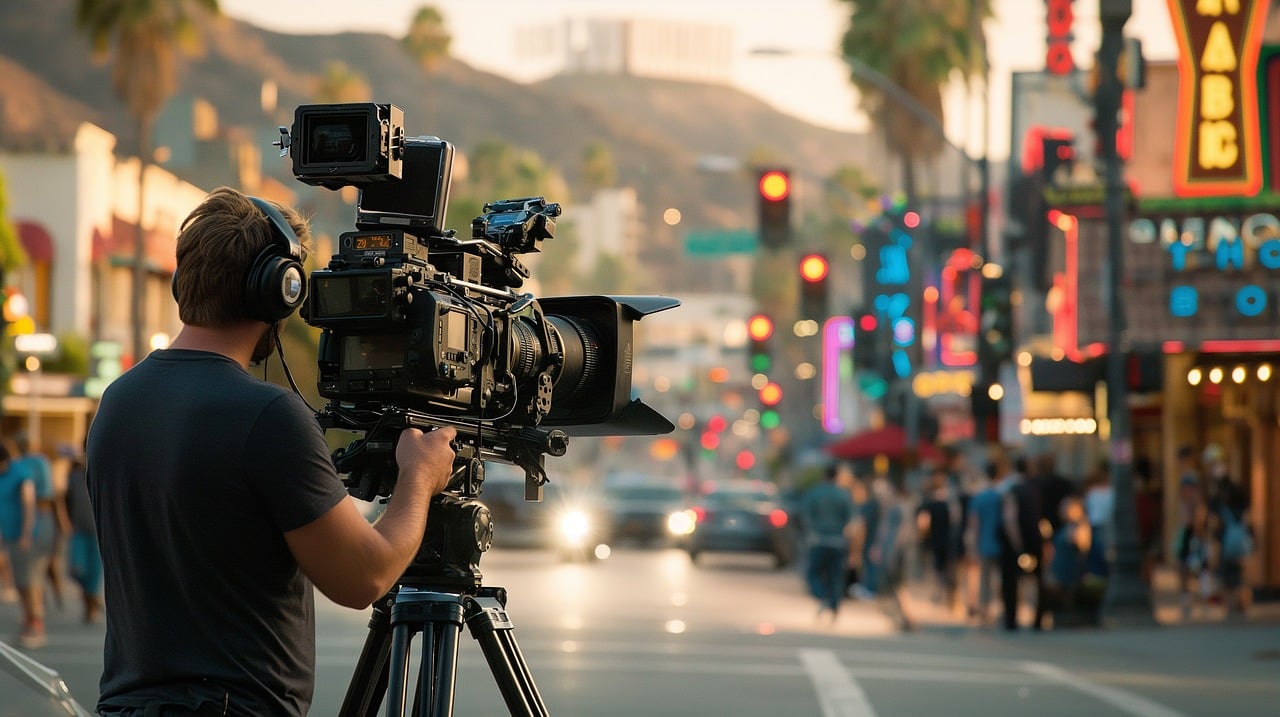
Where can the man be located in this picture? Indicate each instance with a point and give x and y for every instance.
(827, 509)
(983, 535)
(1052, 486)
(1227, 521)
(215, 497)
(1022, 544)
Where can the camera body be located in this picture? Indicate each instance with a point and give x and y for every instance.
(421, 324)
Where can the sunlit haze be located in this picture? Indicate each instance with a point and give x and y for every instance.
(810, 83)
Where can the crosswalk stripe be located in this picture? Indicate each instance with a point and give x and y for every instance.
(838, 692)
(1118, 698)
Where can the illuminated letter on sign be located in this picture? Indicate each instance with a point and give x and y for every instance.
(1218, 150)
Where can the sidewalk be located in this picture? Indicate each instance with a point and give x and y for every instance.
(918, 601)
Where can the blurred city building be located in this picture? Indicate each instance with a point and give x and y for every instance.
(654, 48)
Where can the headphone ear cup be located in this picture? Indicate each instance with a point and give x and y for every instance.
(275, 286)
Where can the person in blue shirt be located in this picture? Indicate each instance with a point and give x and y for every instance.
(826, 511)
(984, 533)
(24, 542)
(52, 525)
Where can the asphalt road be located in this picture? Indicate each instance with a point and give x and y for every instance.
(647, 633)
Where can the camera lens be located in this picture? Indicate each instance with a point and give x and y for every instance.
(580, 346)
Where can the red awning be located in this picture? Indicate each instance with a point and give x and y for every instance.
(36, 241)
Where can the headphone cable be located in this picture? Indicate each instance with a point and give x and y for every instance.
(275, 335)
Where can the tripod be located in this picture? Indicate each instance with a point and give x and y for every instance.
(383, 666)
(439, 593)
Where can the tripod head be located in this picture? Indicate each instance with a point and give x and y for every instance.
(460, 527)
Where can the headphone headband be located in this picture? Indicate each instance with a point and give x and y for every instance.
(282, 230)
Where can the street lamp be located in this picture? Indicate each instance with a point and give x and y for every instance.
(1127, 597)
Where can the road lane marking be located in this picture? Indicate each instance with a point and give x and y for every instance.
(838, 692)
(1118, 698)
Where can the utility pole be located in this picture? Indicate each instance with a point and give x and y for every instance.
(1128, 598)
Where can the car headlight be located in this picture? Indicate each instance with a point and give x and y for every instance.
(574, 526)
(681, 522)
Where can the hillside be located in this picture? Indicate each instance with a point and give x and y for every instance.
(657, 129)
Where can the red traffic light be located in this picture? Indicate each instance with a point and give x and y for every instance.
(775, 185)
(759, 327)
(814, 268)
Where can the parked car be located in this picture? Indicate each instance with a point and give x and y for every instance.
(566, 520)
(740, 517)
(638, 511)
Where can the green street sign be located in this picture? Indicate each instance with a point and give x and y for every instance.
(714, 243)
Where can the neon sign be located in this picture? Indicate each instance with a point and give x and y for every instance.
(1217, 149)
(1249, 247)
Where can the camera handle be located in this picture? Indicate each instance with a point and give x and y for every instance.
(383, 666)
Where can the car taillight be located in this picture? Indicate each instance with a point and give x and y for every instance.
(699, 514)
(778, 518)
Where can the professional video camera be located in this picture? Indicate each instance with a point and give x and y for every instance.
(422, 327)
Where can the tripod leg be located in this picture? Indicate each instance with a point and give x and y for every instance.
(438, 616)
(489, 624)
(369, 681)
(440, 652)
(398, 685)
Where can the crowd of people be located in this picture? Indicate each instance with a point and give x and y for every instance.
(1014, 526)
(46, 534)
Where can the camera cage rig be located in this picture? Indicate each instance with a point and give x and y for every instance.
(479, 275)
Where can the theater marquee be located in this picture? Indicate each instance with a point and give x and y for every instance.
(1218, 150)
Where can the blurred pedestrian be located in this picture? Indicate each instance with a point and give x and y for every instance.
(1053, 488)
(1063, 585)
(1022, 549)
(84, 562)
(1227, 518)
(27, 538)
(51, 513)
(1149, 508)
(889, 547)
(869, 513)
(826, 511)
(983, 536)
(1099, 508)
(1189, 542)
(938, 520)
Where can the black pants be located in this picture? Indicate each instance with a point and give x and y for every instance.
(1011, 575)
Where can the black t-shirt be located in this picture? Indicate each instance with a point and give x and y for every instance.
(196, 469)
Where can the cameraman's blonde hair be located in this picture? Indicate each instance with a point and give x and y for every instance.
(217, 244)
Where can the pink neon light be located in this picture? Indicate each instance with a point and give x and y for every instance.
(837, 339)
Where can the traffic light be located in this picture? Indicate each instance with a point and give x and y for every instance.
(814, 270)
(759, 331)
(1059, 156)
(773, 197)
(866, 341)
(770, 395)
(995, 329)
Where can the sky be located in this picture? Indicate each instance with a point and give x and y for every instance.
(810, 82)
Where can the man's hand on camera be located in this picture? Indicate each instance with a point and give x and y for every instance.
(426, 459)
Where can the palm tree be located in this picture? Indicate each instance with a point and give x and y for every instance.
(340, 83)
(914, 46)
(428, 39)
(144, 39)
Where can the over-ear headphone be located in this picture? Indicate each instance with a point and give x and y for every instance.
(276, 283)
